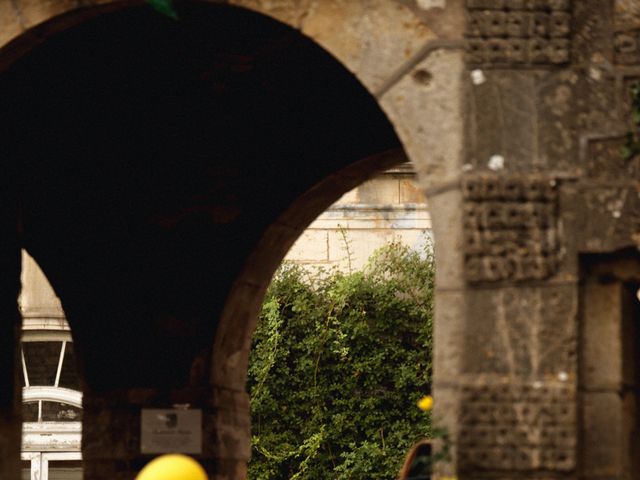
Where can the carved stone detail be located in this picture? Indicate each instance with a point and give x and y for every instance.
(627, 32)
(518, 427)
(519, 32)
(627, 47)
(510, 225)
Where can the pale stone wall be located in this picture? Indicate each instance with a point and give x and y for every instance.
(39, 305)
(389, 207)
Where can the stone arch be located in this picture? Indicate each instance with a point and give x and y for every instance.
(237, 321)
(410, 60)
(409, 57)
(537, 127)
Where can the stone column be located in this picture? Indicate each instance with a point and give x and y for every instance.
(10, 391)
(506, 331)
(111, 430)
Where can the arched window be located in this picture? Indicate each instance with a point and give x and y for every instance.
(52, 406)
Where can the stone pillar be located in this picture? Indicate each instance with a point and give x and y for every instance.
(506, 335)
(111, 430)
(544, 181)
(10, 391)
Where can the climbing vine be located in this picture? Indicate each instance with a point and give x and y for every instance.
(338, 363)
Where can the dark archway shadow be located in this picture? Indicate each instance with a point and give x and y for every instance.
(151, 159)
(160, 171)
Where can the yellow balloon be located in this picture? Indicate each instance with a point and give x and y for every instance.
(173, 466)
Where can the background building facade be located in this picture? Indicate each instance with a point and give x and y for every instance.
(51, 390)
(389, 207)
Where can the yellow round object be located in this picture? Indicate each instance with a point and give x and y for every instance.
(425, 403)
(173, 466)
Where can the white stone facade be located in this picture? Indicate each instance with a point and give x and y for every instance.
(389, 207)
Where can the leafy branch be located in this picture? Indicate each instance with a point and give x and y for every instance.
(336, 363)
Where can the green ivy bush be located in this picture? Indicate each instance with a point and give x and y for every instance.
(338, 363)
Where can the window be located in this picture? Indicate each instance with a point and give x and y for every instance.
(52, 407)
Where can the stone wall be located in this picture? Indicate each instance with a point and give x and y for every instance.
(513, 113)
(390, 207)
(545, 181)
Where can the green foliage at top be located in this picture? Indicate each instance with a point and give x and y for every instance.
(337, 366)
(632, 147)
(165, 7)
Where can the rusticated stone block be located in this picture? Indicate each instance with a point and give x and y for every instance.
(627, 47)
(526, 32)
(518, 427)
(510, 225)
(627, 32)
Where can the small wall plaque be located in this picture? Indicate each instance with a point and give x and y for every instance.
(171, 431)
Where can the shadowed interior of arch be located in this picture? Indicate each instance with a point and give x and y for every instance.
(150, 156)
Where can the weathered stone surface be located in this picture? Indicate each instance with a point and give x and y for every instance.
(601, 419)
(448, 237)
(522, 332)
(519, 33)
(592, 38)
(598, 105)
(34, 12)
(609, 217)
(627, 32)
(504, 111)
(449, 351)
(291, 12)
(10, 23)
(601, 350)
(361, 36)
(358, 34)
(511, 228)
(527, 118)
(627, 46)
(435, 148)
(604, 159)
(627, 13)
(517, 427)
(558, 99)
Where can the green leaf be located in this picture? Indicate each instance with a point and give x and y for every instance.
(165, 7)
